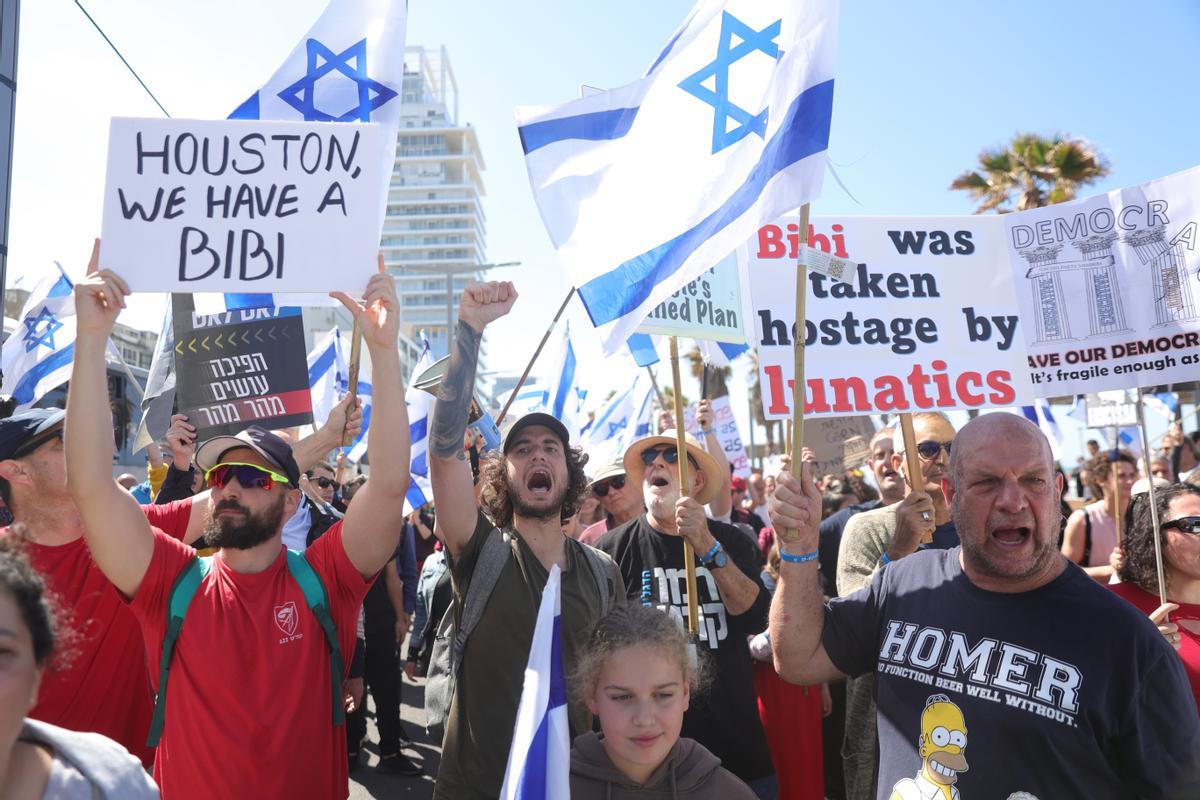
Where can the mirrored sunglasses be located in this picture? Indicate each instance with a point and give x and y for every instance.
(929, 449)
(1186, 524)
(601, 489)
(249, 476)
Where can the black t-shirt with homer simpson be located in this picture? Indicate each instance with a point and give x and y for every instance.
(1057, 692)
(725, 719)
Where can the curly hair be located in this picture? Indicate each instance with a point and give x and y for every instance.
(493, 478)
(1100, 469)
(25, 586)
(635, 625)
(1140, 566)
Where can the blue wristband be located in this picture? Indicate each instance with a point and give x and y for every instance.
(711, 554)
(885, 560)
(801, 559)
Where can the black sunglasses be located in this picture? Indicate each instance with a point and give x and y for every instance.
(669, 454)
(601, 489)
(929, 449)
(323, 482)
(1186, 524)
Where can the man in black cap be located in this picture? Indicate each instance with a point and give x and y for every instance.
(267, 633)
(527, 491)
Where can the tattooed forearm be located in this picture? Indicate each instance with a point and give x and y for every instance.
(454, 394)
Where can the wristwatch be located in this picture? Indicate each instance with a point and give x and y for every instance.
(716, 557)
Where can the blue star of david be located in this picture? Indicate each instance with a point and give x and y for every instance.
(751, 41)
(37, 333)
(371, 93)
(616, 427)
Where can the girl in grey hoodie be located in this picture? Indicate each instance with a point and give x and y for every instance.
(637, 676)
(40, 761)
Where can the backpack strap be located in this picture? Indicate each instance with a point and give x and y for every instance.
(493, 557)
(317, 600)
(182, 592)
(1087, 538)
(601, 571)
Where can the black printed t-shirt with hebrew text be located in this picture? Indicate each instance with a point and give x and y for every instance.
(1055, 693)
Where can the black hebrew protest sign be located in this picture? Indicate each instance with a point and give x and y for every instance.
(1109, 286)
(240, 368)
(927, 320)
(243, 206)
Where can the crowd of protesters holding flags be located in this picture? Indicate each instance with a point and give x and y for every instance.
(879, 633)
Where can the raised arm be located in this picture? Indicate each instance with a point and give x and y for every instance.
(117, 532)
(375, 519)
(797, 610)
(449, 469)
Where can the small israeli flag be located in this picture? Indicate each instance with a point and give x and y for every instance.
(37, 356)
(419, 404)
(626, 417)
(540, 758)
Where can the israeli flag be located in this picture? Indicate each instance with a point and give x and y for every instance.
(644, 187)
(626, 417)
(1165, 403)
(540, 757)
(37, 356)
(564, 395)
(420, 406)
(349, 67)
(1041, 415)
(329, 381)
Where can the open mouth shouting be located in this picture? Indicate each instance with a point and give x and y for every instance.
(1011, 537)
(539, 482)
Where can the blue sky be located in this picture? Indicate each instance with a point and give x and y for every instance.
(922, 87)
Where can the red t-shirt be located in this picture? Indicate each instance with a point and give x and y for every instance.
(98, 682)
(249, 711)
(1189, 648)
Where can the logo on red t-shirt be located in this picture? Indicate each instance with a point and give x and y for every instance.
(285, 618)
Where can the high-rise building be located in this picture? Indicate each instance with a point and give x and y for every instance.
(433, 234)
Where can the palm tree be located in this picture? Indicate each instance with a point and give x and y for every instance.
(717, 376)
(1032, 170)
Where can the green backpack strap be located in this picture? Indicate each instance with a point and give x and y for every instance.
(182, 592)
(318, 602)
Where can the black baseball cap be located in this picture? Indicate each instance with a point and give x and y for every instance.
(22, 433)
(261, 441)
(537, 418)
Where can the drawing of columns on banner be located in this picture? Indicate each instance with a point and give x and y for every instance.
(1106, 314)
(1053, 325)
(1169, 273)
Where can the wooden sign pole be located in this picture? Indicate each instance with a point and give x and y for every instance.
(685, 489)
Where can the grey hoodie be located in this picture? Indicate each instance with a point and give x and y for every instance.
(88, 766)
(689, 771)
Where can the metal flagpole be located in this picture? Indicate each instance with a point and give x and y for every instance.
(536, 353)
(1158, 559)
(685, 489)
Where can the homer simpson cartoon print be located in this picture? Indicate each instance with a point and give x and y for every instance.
(943, 740)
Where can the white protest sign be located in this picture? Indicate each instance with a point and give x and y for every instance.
(243, 206)
(927, 321)
(1110, 410)
(726, 429)
(1109, 286)
(709, 307)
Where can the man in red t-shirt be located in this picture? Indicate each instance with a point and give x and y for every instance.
(98, 681)
(251, 661)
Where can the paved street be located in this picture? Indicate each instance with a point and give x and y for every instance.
(365, 782)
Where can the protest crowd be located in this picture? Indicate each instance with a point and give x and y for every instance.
(909, 597)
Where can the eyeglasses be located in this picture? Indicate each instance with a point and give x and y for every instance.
(323, 482)
(601, 489)
(1186, 524)
(669, 454)
(249, 476)
(929, 449)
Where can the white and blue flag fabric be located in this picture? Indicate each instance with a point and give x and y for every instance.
(644, 187)
(1040, 414)
(626, 417)
(420, 407)
(563, 393)
(349, 67)
(540, 758)
(329, 381)
(37, 356)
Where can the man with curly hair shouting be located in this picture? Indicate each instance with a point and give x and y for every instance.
(505, 551)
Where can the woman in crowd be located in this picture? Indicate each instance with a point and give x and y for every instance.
(1179, 535)
(38, 760)
(636, 675)
(1091, 532)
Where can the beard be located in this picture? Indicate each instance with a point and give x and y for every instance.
(1045, 550)
(522, 508)
(249, 531)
